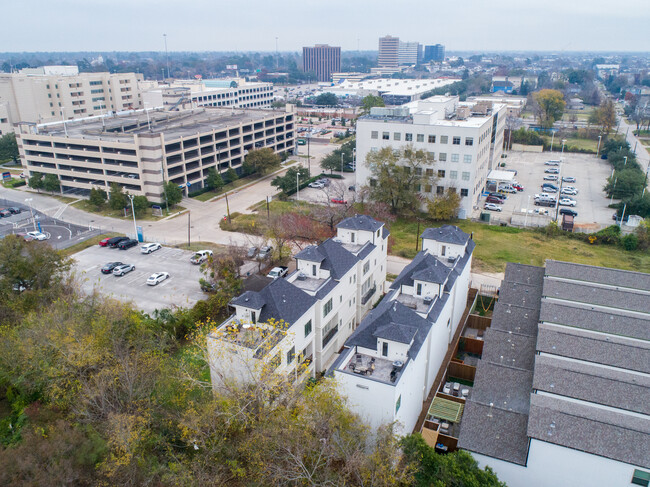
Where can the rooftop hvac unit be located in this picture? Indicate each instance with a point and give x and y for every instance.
(302, 276)
(462, 113)
(451, 259)
(428, 300)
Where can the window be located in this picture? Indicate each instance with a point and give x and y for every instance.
(469, 141)
(407, 169)
(464, 192)
(49, 95)
(397, 136)
(429, 173)
(443, 251)
(444, 139)
(366, 268)
(384, 349)
(452, 190)
(352, 237)
(291, 355)
(313, 270)
(432, 155)
(330, 330)
(427, 188)
(456, 141)
(398, 403)
(307, 328)
(420, 138)
(465, 176)
(327, 308)
(409, 138)
(432, 139)
(441, 173)
(373, 183)
(419, 288)
(440, 190)
(455, 157)
(385, 135)
(374, 134)
(641, 478)
(467, 158)
(418, 171)
(453, 174)
(442, 156)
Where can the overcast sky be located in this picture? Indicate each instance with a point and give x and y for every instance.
(253, 25)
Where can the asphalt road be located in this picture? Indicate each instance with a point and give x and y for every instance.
(180, 289)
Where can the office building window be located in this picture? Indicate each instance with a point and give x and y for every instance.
(420, 138)
(440, 190)
(385, 135)
(398, 404)
(418, 171)
(453, 174)
(465, 176)
(409, 138)
(456, 141)
(397, 136)
(469, 141)
(442, 156)
(452, 190)
(432, 139)
(444, 139)
(419, 288)
(374, 134)
(441, 173)
(432, 155)
(464, 192)
(429, 173)
(307, 328)
(427, 188)
(467, 158)
(455, 157)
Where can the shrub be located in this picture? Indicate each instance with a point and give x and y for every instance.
(609, 235)
(630, 242)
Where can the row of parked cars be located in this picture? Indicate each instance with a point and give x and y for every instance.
(7, 212)
(549, 195)
(119, 269)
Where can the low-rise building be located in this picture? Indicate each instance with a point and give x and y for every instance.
(561, 395)
(390, 362)
(393, 91)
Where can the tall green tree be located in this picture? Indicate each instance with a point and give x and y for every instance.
(173, 193)
(117, 198)
(262, 161)
(287, 183)
(327, 99)
(549, 106)
(371, 101)
(398, 176)
(97, 197)
(214, 179)
(230, 176)
(8, 148)
(51, 183)
(36, 181)
(140, 204)
(444, 206)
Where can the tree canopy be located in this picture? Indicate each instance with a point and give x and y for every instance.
(549, 106)
(8, 148)
(262, 161)
(327, 99)
(287, 183)
(173, 193)
(371, 101)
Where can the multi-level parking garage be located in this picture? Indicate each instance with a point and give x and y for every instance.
(141, 150)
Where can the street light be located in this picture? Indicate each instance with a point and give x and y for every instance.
(135, 228)
(31, 210)
(552, 139)
(297, 187)
(562, 153)
(65, 129)
(166, 57)
(598, 149)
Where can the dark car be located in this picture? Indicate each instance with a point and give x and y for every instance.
(114, 242)
(568, 211)
(127, 244)
(108, 268)
(14, 209)
(501, 196)
(494, 199)
(5, 213)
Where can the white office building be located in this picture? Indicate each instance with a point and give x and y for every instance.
(464, 140)
(390, 362)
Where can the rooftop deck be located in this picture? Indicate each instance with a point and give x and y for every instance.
(259, 338)
(374, 368)
(416, 303)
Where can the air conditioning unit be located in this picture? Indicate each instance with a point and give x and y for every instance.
(302, 276)
(428, 300)
(451, 260)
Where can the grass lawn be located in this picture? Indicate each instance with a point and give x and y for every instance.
(495, 246)
(196, 246)
(78, 247)
(107, 211)
(234, 185)
(574, 143)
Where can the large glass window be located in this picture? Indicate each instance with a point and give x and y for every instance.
(455, 157)
(432, 139)
(374, 134)
(409, 138)
(420, 138)
(444, 139)
(307, 328)
(327, 308)
(456, 141)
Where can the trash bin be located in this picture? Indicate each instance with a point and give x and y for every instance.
(485, 217)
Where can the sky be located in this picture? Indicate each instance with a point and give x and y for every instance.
(254, 25)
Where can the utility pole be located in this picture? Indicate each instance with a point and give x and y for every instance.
(135, 227)
(417, 237)
(268, 209)
(188, 229)
(166, 55)
(308, 156)
(297, 187)
(227, 207)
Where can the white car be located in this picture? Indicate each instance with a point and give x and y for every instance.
(37, 235)
(120, 270)
(570, 191)
(550, 177)
(567, 202)
(316, 185)
(157, 278)
(150, 247)
(572, 188)
(552, 163)
(541, 196)
(568, 179)
(492, 207)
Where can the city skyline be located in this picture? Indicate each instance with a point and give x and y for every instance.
(124, 26)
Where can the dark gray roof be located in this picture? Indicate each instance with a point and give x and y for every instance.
(336, 259)
(400, 333)
(385, 233)
(390, 312)
(365, 251)
(326, 288)
(423, 261)
(360, 222)
(516, 319)
(598, 295)
(504, 386)
(601, 275)
(438, 306)
(600, 385)
(616, 322)
(279, 300)
(512, 349)
(594, 347)
(446, 233)
(524, 274)
(520, 294)
(310, 254)
(619, 436)
(494, 432)
(436, 274)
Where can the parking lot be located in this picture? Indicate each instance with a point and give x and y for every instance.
(591, 175)
(180, 289)
(338, 189)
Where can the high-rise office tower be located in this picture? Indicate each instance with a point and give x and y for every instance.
(322, 59)
(389, 48)
(434, 53)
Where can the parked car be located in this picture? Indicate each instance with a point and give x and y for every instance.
(550, 177)
(507, 189)
(570, 191)
(127, 244)
(552, 170)
(316, 185)
(352, 188)
(567, 202)
(14, 209)
(539, 196)
(156, 278)
(265, 252)
(37, 235)
(501, 196)
(114, 242)
(568, 211)
(545, 202)
(554, 162)
(325, 181)
(339, 201)
(252, 251)
(571, 187)
(494, 199)
(492, 207)
(24, 236)
(4, 212)
(120, 270)
(518, 187)
(104, 242)
(549, 188)
(201, 256)
(568, 179)
(108, 268)
(276, 272)
(150, 247)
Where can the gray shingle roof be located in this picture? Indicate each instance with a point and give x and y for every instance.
(524, 274)
(600, 385)
(616, 322)
(594, 347)
(598, 295)
(336, 259)
(436, 274)
(506, 387)
(360, 222)
(400, 333)
(423, 261)
(516, 319)
(310, 254)
(602, 275)
(520, 294)
(610, 434)
(446, 233)
(512, 349)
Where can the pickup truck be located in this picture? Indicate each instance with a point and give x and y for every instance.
(278, 272)
(201, 256)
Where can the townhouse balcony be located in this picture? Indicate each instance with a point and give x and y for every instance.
(369, 294)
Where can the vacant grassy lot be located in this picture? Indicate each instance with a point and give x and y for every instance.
(495, 246)
(573, 143)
